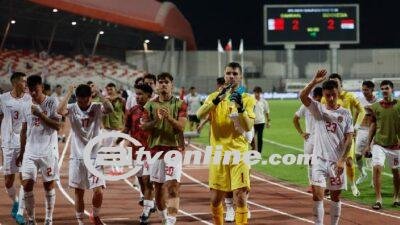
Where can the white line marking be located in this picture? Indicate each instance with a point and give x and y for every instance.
(66, 195)
(299, 191)
(253, 203)
(180, 210)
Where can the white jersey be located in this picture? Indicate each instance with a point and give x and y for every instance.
(365, 103)
(85, 125)
(309, 119)
(131, 100)
(12, 110)
(260, 109)
(193, 102)
(330, 129)
(41, 139)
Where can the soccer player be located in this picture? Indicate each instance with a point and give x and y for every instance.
(261, 110)
(11, 110)
(165, 118)
(366, 100)
(333, 131)
(193, 100)
(143, 93)
(308, 135)
(226, 106)
(349, 101)
(384, 132)
(115, 120)
(39, 147)
(85, 118)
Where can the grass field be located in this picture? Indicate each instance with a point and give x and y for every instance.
(283, 132)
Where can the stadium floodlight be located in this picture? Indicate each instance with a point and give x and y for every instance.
(147, 41)
(166, 37)
(55, 10)
(13, 21)
(101, 32)
(73, 23)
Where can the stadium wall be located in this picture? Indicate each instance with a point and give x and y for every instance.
(268, 68)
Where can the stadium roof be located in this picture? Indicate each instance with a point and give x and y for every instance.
(72, 26)
(162, 18)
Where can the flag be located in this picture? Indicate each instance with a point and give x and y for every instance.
(228, 46)
(276, 24)
(241, 49)
(220, 49)
(347, 24)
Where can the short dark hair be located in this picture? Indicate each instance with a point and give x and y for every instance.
(317, 92)
(139, 80)
(83, 90)
(150, 76)
(192, 88)
(220, 81)
(234, 65)
(58, 86)
(257, 89)
(145, 88)
(16, 75)
(111, 85)
(164, 76)
(368, 84)
(46, 87)
(89, 82)
(387, 82)
(336, 75)
(330, 85)
(34, 80)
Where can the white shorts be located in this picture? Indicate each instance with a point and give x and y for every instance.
(81, 178)
(161, 172)
(323, 174)
(47, 165)
(361, 141)
(309, 145)
(144, 168)
(9, 158)
(379, 154)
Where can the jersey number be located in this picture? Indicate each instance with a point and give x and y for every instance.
(169, 170)
(331, 127)
(16, 115)
(85, 122)
(336, 181)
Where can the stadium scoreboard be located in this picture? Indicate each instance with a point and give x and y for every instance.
(311, 24)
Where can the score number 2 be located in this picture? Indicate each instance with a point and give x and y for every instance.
(331, 24)
(295, 24)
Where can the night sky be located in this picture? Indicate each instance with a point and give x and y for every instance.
(224, 19)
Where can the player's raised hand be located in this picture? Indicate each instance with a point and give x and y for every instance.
(71, 88)
(320, 76)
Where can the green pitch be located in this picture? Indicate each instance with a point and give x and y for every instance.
(282, 138)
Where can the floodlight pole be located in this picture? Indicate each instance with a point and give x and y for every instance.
(289, 60)
(5, 35)
(96, 41)
(184, 59)
(53, 33)
(334, 57)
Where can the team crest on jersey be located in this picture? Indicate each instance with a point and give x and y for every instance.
(340, 119)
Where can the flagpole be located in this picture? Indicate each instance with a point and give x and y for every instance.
(219, 59)
(241, 52)
(230, 53)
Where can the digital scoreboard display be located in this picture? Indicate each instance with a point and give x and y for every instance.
(311, 24)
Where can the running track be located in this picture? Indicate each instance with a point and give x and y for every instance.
(271, 202)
